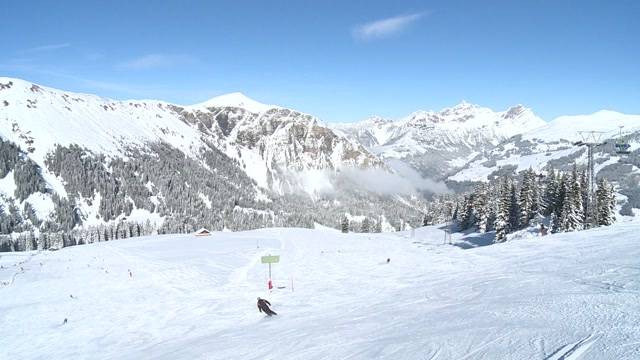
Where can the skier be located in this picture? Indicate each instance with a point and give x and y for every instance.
(263, 306)
(388, 260)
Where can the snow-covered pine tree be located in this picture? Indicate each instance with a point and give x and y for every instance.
(536, 195)
(467, 214)
(612, 202)
(481, 208)
(365, 225)
(605, 203)
(525, 199)
(549, 194)
(344, 224)
(514, 212)
(561, 186)
(503, 211)
(454, 216)
(378, 226)
(584, 193)
(425, 220)
(572, 210)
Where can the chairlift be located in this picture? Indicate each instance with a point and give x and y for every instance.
(622, 146)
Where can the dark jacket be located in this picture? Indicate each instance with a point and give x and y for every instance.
(263, 306)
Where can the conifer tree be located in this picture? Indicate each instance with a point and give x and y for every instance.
(378, 226)
(549, 194)
(467, 217)
(572, 211)
(525, 200)
(345, 224)
(561, 186)
(514, 212)
(365, 225)
(605, 203)
(425, 220)
(503, 211)
(481, 208)
(584, 186)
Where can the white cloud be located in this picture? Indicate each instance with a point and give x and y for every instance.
(385, 27)
(152, 61)
(43, 48)
(403, 180)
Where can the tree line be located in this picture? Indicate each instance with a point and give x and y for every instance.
(559, 200)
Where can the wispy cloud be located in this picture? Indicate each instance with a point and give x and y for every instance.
(43, 48)
(385, 27)
(153, 61)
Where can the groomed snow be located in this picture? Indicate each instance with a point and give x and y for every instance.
(564, 296)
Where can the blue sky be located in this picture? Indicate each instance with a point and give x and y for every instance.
(339, 60)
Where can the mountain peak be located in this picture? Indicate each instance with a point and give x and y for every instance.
(239, 100)
(462, 106)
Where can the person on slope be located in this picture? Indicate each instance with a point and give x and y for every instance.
(263, 306)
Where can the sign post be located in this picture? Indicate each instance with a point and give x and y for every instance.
(270, 259)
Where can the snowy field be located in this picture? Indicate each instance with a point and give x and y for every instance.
(568, 296)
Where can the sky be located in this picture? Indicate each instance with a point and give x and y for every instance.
(337, 60)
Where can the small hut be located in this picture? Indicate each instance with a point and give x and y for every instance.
(202, 232)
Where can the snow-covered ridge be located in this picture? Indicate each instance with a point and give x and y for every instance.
(456, 124)
(568, 127)
(554, 143)
(238, 100)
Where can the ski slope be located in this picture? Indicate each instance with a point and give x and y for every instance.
(566, 296)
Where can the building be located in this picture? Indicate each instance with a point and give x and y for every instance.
(202, 232)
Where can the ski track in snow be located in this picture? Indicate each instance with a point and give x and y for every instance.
(573, 351)
(567, 296)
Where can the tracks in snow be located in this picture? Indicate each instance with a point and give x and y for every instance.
(573, 351)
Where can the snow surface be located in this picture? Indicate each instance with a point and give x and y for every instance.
(568, 127)
(565, 296)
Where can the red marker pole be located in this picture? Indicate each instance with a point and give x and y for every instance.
(270, 284)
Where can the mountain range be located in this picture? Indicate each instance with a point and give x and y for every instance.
(95, 160)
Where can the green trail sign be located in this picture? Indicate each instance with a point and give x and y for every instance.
(271, 259)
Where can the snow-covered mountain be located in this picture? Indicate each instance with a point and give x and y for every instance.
(553, 144)
(271, 142)
(231, 161)
(266, 140)
(438, 143)
(104, 160)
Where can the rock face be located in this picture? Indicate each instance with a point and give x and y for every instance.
(272, 141)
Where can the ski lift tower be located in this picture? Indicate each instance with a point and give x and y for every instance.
(591, 140)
